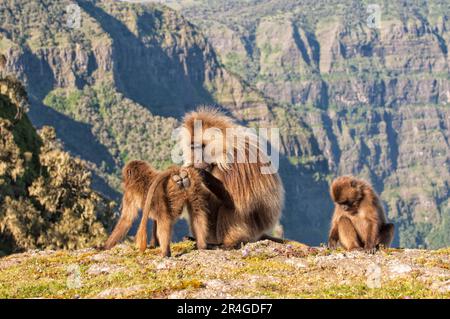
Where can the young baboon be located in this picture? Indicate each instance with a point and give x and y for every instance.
(137, 176)
(173, 190)
(257, 198)
(162, 197)
(359, 221)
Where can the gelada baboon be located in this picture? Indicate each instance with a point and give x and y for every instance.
(359, 221)
(137, 177)
(257, 198)
(172, 191)
(162, 196)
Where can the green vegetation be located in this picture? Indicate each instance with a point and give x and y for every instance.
(440, 236)
(127, 129)
(46, 200)
(264, 270)
(348, 99)
(63, 101)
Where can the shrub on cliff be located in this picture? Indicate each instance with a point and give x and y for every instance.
(57, 207)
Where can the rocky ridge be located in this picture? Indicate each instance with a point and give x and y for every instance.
(257, 270)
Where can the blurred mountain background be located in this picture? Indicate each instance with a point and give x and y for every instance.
(114, 79)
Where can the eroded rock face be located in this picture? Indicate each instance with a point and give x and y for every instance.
(376, 100)
(154, 57)
(337, 60)
(348, 99)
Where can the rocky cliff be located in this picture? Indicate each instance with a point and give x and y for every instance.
(124, 63)
(375, 98)
(115, 86)
(347, 98)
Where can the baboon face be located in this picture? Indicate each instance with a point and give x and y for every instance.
(346, 193)
(196, 155)
(198, 148)
(203, 142)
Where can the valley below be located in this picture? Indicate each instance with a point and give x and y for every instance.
(347, 98)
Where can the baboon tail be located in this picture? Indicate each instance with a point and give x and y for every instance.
(275, 239)
(129, 214)
(135, 173)
(141, 235)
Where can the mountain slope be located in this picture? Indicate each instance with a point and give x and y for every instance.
(46, 200)
(122, 54)
(347, 98)
(115, 88)
(377, 100)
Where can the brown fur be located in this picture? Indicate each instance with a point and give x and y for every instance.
(257, 198)
(359, 221)
(164, 204)
(162, 199)
(137, 177)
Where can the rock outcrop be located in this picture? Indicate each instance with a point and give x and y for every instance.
(258, 270)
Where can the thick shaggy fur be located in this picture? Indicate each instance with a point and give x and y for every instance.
(257, 198)
(137, 176)
(163, 199)
(165, 202)
(359, 221)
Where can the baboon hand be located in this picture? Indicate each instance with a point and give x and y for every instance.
(182, 180)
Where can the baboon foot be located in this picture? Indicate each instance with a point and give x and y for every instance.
(153, 244)
(208, 245)
(234, 245)
(213, 246)
(201, 246)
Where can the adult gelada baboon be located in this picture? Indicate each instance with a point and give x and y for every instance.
(257, 197)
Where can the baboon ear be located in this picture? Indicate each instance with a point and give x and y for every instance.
(353, 184)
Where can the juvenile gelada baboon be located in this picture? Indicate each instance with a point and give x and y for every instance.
(359, 221)
(162, 196)
(257, 198)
